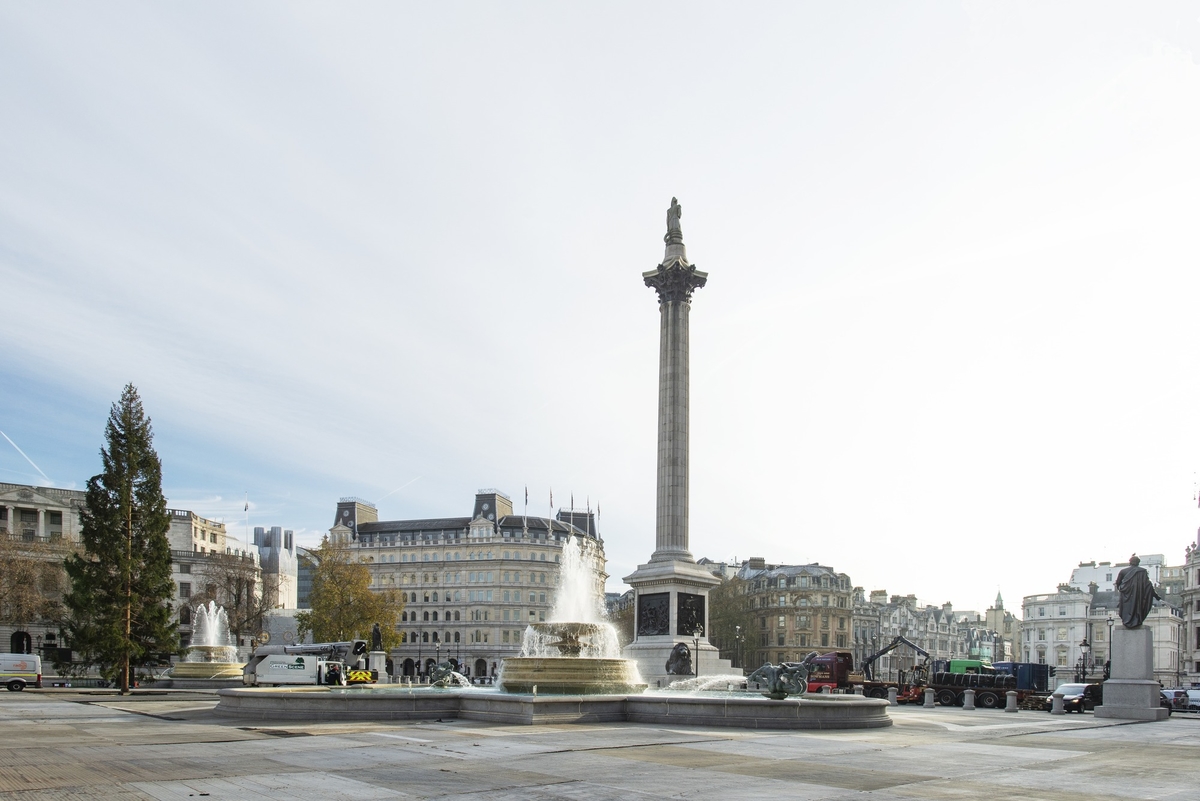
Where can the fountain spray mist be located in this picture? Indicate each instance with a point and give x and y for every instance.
(583, 629)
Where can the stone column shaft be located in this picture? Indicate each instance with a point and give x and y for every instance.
(671, 530)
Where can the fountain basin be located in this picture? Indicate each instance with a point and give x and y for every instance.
(395, 702)
(570, 676)
(207, 670)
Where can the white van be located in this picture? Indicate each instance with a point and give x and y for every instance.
(277, 669)
(17, 670)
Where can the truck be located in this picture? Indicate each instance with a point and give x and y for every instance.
(991, 684)
(1031, 676)
(323, 663)
(830, 670)
(907, 679)
(950, 689)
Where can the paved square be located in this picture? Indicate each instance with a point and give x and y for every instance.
(167, 746)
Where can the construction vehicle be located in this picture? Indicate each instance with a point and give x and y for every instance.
(324, 663)
(915, 677)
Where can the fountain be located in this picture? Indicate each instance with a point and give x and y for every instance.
(569, 669)
(212, 654)
(576, 652)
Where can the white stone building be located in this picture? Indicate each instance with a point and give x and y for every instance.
(1103, 574)
(1054, 627)
(1190, 612)
(41, 524)
(277, 556)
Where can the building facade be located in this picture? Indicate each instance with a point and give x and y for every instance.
(1071, 629)
(277, 557)
(1007, 628)
(1190, 613)
(1103, 574)
(207, 565)
(936, 629)
(40, 528)
(794, 609)
(471, 584)
(42, 524)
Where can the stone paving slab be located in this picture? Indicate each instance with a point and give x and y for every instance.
(269, 787)
(80, 746)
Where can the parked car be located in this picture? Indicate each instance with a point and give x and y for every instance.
(1166, 701)
(1178, 698)
(1193, 700)
(1076, 697)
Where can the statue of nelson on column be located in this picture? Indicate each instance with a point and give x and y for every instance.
(1137, 593)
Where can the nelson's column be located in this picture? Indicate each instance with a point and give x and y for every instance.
(671, 604)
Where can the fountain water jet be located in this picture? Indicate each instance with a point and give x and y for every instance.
(212, 654)
(576, 652)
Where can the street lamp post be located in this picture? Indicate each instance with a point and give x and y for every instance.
(737, 641)
(1081, 670)
(696, 635)
(1108, 661)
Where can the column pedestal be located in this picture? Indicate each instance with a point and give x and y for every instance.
(671, 603)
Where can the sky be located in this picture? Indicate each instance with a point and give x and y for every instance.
(948, 343)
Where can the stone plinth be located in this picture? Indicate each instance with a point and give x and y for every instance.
(1132, 693)
(377, 661)
(671, 603)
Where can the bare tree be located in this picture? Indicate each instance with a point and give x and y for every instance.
(236, 583)
(32, 581)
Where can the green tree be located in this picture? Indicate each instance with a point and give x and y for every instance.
(118, 608)
(342, 605)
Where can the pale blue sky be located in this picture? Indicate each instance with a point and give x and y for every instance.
(347, 248)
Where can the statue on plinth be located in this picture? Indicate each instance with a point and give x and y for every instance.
(1137, 593)
(376, 638)
(680, 661)
(674, 232)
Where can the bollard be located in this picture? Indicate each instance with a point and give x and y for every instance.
(858, 689)
(892, 696)
(929, 698)
(825, 690)
(1012, 701)
(969, 698)
(1056, 707)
